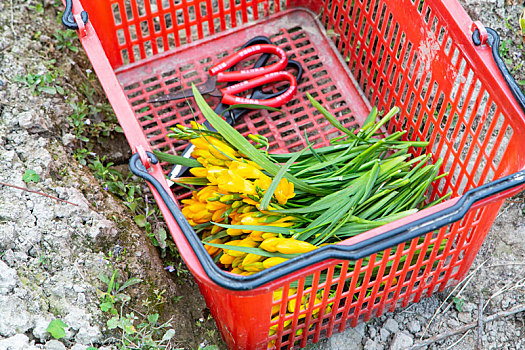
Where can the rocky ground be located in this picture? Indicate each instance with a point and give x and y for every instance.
(58, 255)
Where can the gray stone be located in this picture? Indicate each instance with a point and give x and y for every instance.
(373, 345)
(391, 325)
(55, 345)
(401, 341)
(77, 319)
(348, 340)
(414, 326)
(79, 347)
(8, 235)
(88, 335)
(68, 139)
(453, 323)
(33, 122)
(384, 334)
(15, 318)
(16, 342)
(40, 330)
(465, 317)
(8, 278)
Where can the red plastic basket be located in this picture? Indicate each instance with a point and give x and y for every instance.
(418, 55)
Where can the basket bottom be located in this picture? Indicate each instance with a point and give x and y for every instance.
(326, 77)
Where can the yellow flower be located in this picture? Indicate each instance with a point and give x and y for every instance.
(231, 182)
(199, 172)
(284, 191)
(270, 262)
(220, 149)
(245, 170)
(293, 246)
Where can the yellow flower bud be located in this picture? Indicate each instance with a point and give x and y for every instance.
(245, 170)
(213, 250)
(293, 246)
(236, 271)
(255, 267)
(199, 172)
(251, 258)
(226, 259)
(270, 262)
(270, 244)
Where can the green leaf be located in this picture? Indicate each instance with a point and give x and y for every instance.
(122, 297)
(197, 181)
(47, 89)
(329, 116)
(272, 229)
(129, 283)
(170, 333)
(57, 328)
(173, 159)
(30, 176)
(91, 348)
(140, 220)
(104, 279)
(458, 303)
(256, 251)
(275, 182)
(244, 146)
(152, 319)
(105, 307)
(113, 322)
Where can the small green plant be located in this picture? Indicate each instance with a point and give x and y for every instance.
(38, 8)
(138, 331)
(458, 303)
(30, 176)
(43, 83)
(66, 39)
(57, 328)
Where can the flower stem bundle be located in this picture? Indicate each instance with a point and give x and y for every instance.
(255, 210)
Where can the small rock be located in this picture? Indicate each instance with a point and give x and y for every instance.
(348, 340)
(55, 345)
(401, 341)
(373, 332)
(16, 342)
(453, 323)
(88, 335)
(384, 334)
(40, 330)
(79, 347)
(33, 122)
(468, 307)
(391, 325)
(77, 319)
(15, 318)
(8, 278)
(68, 139)
(373, 345)
(414, 326)
(465, 317)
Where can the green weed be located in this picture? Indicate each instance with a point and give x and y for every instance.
(138, 331)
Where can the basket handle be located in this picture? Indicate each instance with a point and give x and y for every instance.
(489, 36)
(356, 251)
(67, 18)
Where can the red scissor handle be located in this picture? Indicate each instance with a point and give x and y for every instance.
(229, 98)
(251, 73)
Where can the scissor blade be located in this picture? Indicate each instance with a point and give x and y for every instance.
(206, 88)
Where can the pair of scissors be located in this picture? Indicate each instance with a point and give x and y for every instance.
(251, 79)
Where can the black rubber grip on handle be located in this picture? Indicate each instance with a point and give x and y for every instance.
(493, 41)
(67, 18)
(354, 252)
